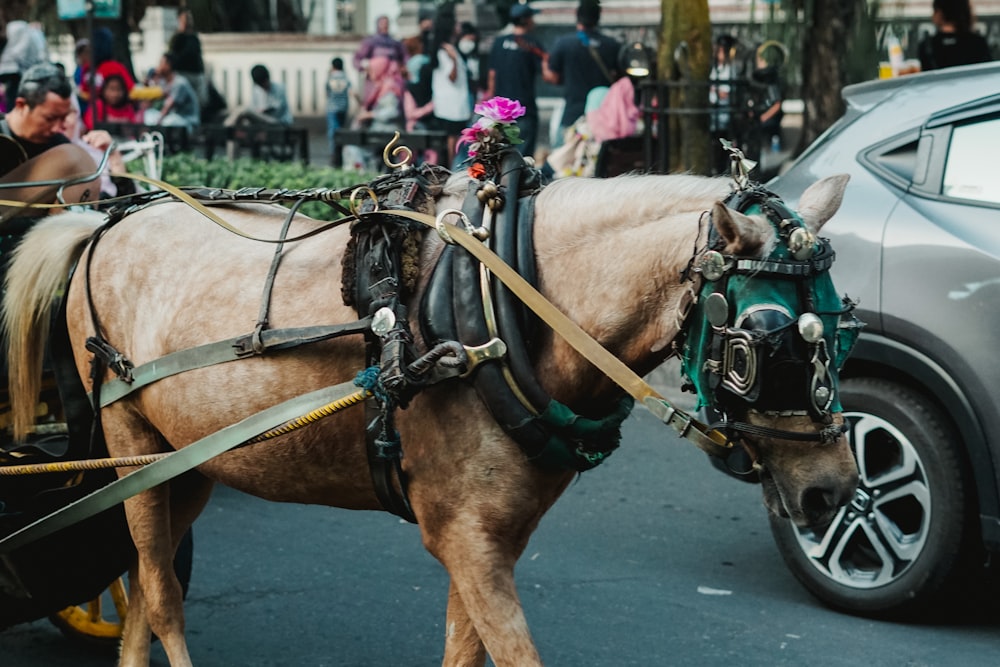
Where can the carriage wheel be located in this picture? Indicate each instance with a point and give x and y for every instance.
(86, 622)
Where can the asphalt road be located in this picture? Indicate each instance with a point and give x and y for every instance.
(652, 559)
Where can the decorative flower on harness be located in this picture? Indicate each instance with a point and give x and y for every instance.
(496, 127)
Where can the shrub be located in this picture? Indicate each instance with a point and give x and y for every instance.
(184, 169)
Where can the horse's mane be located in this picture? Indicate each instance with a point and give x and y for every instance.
(641, 197)
(622, 199)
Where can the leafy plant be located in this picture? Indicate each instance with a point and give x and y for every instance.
(184, 169)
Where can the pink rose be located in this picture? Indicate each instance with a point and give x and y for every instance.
(469, 135)
(500, 109)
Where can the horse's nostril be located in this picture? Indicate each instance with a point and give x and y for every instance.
(819, 499)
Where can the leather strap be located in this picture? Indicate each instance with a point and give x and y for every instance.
(223, 351)
(175, 464)
(710, 441)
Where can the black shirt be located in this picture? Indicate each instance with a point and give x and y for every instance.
(575, 59)
(517, 61)
(20, 150)
(948, 49)
(186, 47)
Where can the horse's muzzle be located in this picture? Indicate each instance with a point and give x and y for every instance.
(807, 482)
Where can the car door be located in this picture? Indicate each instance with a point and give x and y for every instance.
(941, 262)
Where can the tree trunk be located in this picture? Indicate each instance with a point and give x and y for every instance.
(684, 59)
(839, 49)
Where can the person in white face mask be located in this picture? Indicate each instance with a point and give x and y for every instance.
(468, 48)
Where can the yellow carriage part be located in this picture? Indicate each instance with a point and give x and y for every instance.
(87, 621)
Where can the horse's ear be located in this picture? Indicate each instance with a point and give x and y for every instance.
(821, 200)
(740, 232)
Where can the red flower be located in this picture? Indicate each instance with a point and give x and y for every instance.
(477, 171)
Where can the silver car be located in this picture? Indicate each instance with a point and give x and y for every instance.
(918, 246)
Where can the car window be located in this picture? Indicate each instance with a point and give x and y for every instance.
(968, 173)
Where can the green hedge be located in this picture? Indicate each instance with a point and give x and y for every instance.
(184, 169)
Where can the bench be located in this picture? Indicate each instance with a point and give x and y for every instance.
(376, 140)
(264, 141)
(176, 139)
(621, 156)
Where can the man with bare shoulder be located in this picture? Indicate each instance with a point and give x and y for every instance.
(33, 147)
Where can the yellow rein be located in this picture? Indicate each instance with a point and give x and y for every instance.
(129, 461)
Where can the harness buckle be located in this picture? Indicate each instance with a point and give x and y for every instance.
(669, 415)
(488, 351)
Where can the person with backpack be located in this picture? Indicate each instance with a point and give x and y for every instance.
(580, 62)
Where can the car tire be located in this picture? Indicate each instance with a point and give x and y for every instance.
(907, 540)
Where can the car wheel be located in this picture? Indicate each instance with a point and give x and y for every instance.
(909, 533)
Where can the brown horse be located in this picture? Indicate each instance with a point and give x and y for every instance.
(610, 254)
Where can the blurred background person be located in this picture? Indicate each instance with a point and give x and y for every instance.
(338, 101)
(955, 42)
(382, 109)
(721, 78)
(418, 106)
(379, 44)
(185, 44)
(180, 103)
(580, 62)
(113, 104)
(418, 103)
(268, 101)
(102, 59)
(768, 94)
(25, 47)
(515, 65)
(449, 83)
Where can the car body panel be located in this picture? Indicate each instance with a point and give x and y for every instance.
(924, 266)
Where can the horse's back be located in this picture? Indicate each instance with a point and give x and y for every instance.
(173, 278)
(166, 279)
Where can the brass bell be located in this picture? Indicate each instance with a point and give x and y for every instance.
(490, 189)
(801, 243)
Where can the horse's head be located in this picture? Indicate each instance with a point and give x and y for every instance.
(766, 340)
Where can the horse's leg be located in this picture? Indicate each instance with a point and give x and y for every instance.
(160, 596)
(478, 500)
(188, 496)
(482, 572)
(476, 520)
(157, 599)
(462, 643)
(133, 651)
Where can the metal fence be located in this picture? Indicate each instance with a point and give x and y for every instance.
(683, 123)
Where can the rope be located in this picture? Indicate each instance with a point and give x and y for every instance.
(129, 461)
(87, 464)
(314, 416)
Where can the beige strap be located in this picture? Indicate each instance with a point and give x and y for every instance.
(711, 441)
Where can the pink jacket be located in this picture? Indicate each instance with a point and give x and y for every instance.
(617, 115)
